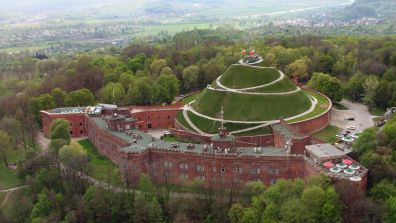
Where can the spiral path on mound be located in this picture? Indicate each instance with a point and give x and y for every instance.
(261, 123)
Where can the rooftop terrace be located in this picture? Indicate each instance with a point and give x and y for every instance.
(139, 141)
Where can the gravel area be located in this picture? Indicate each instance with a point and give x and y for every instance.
(358, 111)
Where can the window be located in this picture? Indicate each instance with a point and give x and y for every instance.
(200, 177)
(235, 170)
(81, 132)
(71, 132)
(183, 166)
(169, 117)
(168, 164)
(214, 169)
(200, 168)
(81, 124)
(222, 170)
(184, 176)
(255, 170)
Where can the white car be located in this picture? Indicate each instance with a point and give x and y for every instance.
(351, 128)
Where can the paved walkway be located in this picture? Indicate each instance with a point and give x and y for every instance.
(261, 124)
(236, 90)
(313, 100)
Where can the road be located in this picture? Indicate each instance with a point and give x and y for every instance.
(363, 118)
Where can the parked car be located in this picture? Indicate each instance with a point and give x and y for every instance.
(350, 119)
(351, 128)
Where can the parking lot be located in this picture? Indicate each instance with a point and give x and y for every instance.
(357, 111)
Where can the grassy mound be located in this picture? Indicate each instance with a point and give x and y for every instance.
(243, 107)
(284, 85)
(210, 126)
(238, 76)
(322, 106)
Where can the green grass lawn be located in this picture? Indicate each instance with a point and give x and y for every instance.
(101, 167)
(377, 119)
(9, 177)
(2, 195)
(212, 127)
(377, 111)
(284, 85)
(183, 122)
(190, 98)
(328, 134)
(237, 76)
(256, 132)
(340, 106)
(322, 106)
(251, 107)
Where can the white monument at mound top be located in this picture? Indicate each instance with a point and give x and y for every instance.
(251, 58)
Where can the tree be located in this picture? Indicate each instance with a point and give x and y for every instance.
(390, 129)
(60, 129)
(370, 86)
(235, 213)
(136, 63)
(74, 156)
(190, 77)
(140, 93)
(311, 199)
(156, 66)
(59, 96)
(330, 86)
(367, 141)
(5, 146)
(298, 69)
(155, 212)
(113, 93)
(249, 216)
(383, 190)
(42, 102)
(355, 86)
(166, 71)
(391, 204)
(271, 60)
(331, 211)
(165, 88)
(13, 128)
(145, 184)
(42, 207)
(82, 97)
(126, 79)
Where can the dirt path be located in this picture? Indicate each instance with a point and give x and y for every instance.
(9, 192)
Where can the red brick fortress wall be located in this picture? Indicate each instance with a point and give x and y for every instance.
(175, 167)
(76, 120)
(155, 117)
(315, 124)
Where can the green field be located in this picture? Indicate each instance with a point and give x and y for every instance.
(101, 167)
(238, 76)
(328, 134)
(251, 107)
(9, 177)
